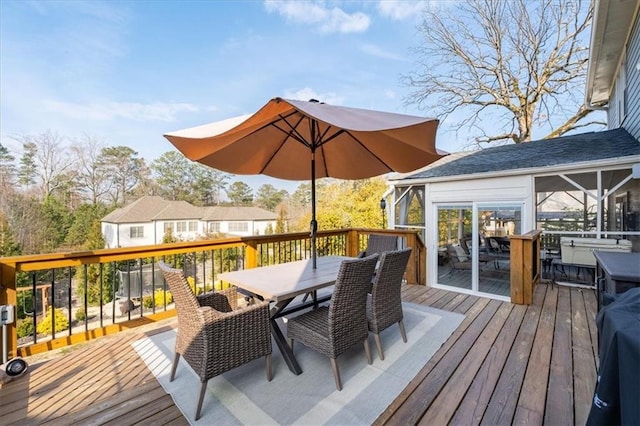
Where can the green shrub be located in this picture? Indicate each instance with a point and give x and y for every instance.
(62, 323)
(158, 299)
(24, 327)
(81, 315)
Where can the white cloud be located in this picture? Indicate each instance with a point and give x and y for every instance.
(308, 93)
(373, 50)
(401, 9)
(158, 111)
(328, 20)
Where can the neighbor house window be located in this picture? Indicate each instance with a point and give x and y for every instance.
(136, 232)
(214, 226)
(168, 227)
(181, 226)
(193, 226)
(238, 226)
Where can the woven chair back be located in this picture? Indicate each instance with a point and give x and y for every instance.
(348, 309)
(386, 302)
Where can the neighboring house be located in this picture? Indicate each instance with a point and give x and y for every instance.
(238, 220)
(147, 220)
(513, 189)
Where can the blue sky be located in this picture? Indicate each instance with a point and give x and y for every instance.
(126, 72)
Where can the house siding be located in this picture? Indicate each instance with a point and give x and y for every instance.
(119, 234)
(631, 121)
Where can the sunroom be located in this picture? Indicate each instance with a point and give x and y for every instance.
(580, 187)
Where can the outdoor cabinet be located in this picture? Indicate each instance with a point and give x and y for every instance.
(525, 266)
(616, 273)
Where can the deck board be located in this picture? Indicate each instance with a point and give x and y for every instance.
(559, 404)
(504, 364)
(583, 358)
(472, 408)
(446, 404)
(530, 407)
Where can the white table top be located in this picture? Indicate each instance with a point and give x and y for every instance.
(287, 280)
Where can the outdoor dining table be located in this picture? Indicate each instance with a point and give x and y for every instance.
(281, 284)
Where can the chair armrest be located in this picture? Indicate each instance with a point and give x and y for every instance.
(362, 254)
(223, 300)
(245, 326)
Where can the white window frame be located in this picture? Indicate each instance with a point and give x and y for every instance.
(136, 231)
(238, 226)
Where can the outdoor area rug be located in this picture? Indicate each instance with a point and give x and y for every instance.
(244, 396)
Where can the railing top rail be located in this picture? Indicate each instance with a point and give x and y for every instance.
(72, 259)
(535, 233)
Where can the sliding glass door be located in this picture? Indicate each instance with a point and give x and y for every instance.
(473, 246)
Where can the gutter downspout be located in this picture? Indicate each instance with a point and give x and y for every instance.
(593, 50)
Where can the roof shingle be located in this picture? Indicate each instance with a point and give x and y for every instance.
(578, 148)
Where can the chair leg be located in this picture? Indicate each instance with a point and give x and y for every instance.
(203, 389)
(376, 337)
(403, 333)
(336, 373)
(367, 350)
(176, 358)
(291, 344)
(269, 370)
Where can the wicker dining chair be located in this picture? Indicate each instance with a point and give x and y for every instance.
(331, 330)
(377, 243)
(214, 335)
(384, 304)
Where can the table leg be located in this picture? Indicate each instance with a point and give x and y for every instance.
(281, 341)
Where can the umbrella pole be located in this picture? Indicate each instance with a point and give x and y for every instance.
(314, 223)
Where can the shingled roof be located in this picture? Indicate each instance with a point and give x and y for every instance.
(578, 148)
(219, 213)
(152, 208)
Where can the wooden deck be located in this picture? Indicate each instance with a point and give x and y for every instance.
(505, 364)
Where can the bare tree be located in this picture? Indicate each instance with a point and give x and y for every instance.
(47, 157)
(509, 67)
(92, 174)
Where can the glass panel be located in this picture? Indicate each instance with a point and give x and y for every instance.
(495, 224)
(454, 260)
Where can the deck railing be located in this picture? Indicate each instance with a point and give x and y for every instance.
(67, 298)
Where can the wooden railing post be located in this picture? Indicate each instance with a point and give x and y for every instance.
(353, 240)
(415, 268)
(525, 266)
(8, 296)
(251, 255)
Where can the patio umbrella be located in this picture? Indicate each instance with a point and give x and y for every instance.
(306, 140)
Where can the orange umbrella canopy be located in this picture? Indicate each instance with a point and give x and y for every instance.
(300, 140)
(284, 136)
